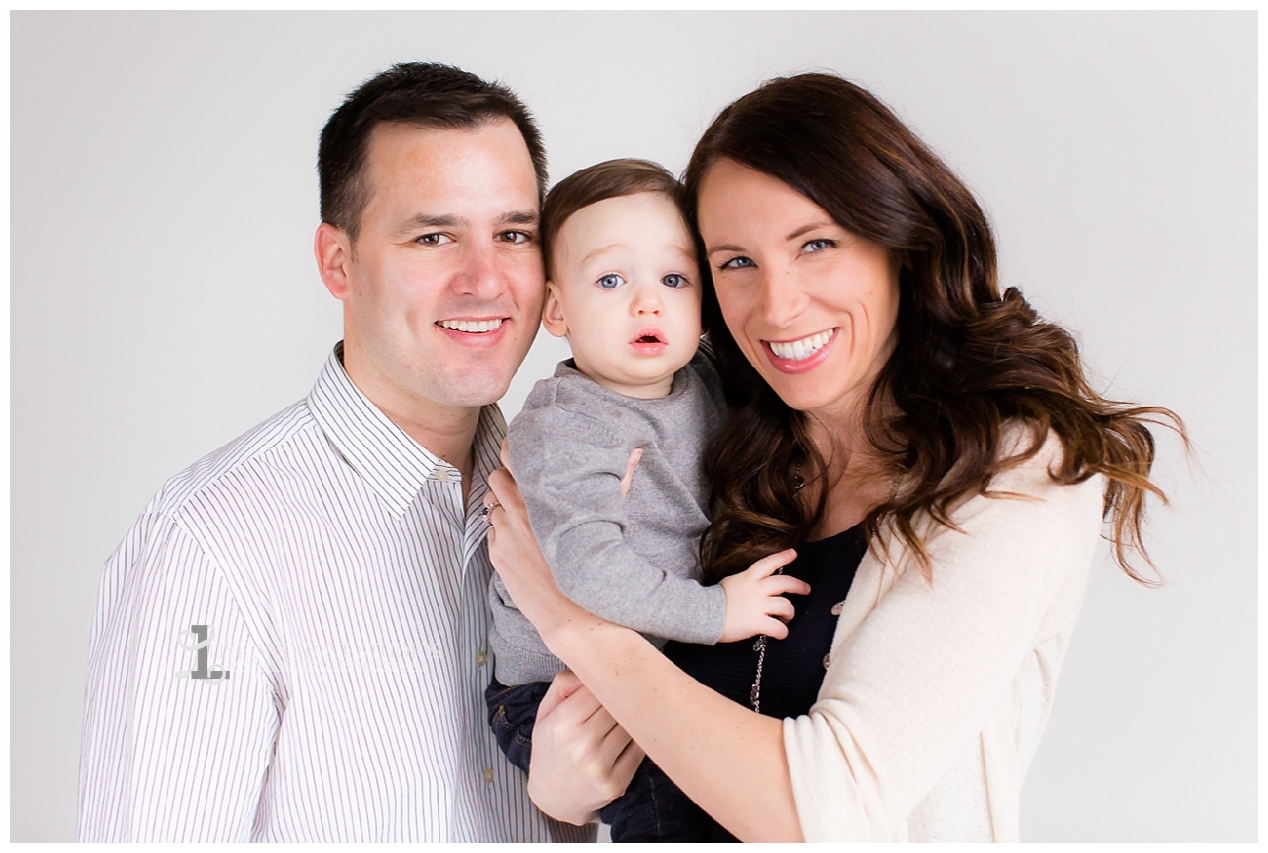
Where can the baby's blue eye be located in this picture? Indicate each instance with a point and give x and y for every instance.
(610, 281)
(674, 280)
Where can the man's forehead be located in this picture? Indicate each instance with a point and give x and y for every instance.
(472, 174)
(494, 146)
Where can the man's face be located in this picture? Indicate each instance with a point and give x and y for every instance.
(444, 284)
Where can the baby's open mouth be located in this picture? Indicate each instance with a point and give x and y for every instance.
(649, 341)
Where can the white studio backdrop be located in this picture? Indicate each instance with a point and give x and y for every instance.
(164, 299)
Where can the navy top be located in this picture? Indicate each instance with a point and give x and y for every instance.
(794, 667)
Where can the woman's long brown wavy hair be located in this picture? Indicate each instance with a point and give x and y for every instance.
(968, 360)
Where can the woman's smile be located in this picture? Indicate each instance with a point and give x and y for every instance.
(802, 354)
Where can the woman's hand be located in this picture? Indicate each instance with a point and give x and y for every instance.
(514, 552)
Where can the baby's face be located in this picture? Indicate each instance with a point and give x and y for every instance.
(626, 292)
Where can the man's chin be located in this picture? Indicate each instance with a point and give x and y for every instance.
(474, 390)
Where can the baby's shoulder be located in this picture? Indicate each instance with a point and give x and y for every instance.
(564, 409)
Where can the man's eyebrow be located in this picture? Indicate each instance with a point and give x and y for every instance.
(428, 220)
(520, 217)
(449, 220)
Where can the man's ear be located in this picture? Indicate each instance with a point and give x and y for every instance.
(553, 312)
(334, 254)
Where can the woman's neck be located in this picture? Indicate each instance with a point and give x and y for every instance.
(857, 479)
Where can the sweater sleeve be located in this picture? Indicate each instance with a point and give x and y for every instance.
(569, 467)
(908, 689)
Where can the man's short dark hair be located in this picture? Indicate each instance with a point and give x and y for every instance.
(420, 94)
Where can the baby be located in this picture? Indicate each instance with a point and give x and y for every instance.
(624, 288)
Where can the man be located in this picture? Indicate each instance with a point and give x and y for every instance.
(290, 642)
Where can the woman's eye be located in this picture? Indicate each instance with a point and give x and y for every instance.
(817, 245)
(674, 280)
(736, 263)
(434, 239)
(610, 281)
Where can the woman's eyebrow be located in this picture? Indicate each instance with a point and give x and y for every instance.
(806, 229)
(724, 248)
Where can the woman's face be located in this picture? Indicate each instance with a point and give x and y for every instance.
(812, 306)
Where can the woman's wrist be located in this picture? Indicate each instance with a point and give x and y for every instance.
(562, 624)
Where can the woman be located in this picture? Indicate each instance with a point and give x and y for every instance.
(879, 381)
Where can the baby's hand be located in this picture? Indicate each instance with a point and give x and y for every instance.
(755, 602)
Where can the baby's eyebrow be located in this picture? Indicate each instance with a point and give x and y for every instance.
(599, 251)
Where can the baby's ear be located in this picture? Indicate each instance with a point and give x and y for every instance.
(553, 312)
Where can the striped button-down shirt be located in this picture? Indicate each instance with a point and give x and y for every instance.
(290, 646)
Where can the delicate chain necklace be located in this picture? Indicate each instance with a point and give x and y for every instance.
(755, 692)
(759, 646)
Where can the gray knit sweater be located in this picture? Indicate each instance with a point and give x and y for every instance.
(632, 560)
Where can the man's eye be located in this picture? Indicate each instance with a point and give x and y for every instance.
(434, 239)
(610, 281)
(735, 263)
(515, 237)
(674, 280)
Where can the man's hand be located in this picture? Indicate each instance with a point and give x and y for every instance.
(582, 760)
(755, 602)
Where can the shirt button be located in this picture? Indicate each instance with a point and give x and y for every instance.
(488, 775)
(482, 657)
(442, 474)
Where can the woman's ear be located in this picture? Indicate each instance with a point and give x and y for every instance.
(553, 312)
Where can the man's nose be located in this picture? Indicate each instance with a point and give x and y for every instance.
(480, 274)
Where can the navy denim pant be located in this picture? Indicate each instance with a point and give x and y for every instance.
(652, 808)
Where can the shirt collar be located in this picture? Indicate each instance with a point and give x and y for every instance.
(392, 464)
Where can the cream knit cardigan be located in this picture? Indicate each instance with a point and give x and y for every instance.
(936, 694)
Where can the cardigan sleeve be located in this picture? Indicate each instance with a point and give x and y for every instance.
(917, 679)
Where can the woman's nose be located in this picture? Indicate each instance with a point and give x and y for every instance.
(782, 299)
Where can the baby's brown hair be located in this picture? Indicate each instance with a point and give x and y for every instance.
(611, 179)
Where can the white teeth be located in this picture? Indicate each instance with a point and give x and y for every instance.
(802, 349)
(470, 325)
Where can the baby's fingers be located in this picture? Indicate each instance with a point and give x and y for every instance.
(781, 608)
(769, 565)
(774, 629)
(783, 585)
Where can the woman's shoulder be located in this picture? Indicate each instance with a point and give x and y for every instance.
(1030, 483)
(1029, 456)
